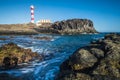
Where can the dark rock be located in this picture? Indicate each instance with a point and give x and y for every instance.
(104, 77)
(15, 61)
(99, 61)
(75, 76)
(11, 55)
(6, 76)
(74, 26)
(43, 38)
(2, 38)
(6, 62)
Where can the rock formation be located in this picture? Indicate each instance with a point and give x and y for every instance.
(11, 55)
(74, 26)
(98, 61)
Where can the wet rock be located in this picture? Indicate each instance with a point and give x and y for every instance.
(11, 55)
(2, 38)
(6, 76)
(44, 38)
(100, 61)
(6, 62)
(75, 76)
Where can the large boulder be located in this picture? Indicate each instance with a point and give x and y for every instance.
(98, 61)
(82, 59)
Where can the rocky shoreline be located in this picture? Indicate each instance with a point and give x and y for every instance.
(12, 56)
(98, 61)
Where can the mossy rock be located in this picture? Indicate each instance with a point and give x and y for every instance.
(14, 52)
(100, 60)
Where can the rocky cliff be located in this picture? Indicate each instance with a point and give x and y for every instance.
(99, 61)
(73, 26)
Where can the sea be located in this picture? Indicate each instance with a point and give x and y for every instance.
(55, 51)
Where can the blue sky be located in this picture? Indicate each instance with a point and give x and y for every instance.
(104, 13)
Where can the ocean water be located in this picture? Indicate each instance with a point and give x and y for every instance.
(55, 51)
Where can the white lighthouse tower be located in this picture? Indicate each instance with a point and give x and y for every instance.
(32, 13)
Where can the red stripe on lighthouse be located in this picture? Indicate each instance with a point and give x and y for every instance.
(32, 18)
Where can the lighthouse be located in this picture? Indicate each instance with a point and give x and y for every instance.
(32, 13)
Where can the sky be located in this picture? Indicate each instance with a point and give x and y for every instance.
(105, 14)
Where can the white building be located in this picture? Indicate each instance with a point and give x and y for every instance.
(43, 22)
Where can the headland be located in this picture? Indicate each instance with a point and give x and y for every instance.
(70, 26)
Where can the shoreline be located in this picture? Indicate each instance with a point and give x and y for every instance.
(17, 33)
(33, 33)
(97, 61)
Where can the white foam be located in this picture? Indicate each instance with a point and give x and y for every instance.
(26, 70)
